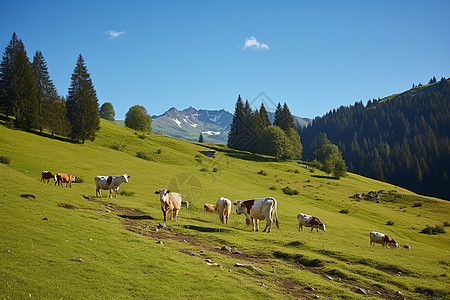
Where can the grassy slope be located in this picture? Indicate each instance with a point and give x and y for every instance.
(36, 255)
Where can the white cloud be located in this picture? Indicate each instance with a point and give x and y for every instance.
(252, 43)
(114, 34)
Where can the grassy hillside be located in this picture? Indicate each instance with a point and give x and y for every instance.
(62, 245)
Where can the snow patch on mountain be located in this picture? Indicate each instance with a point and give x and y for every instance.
(178, 122)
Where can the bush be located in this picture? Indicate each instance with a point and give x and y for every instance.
(288, 191)
(344, 211)
(203, 169)
(272, 188)
(433, 230)
(5, 160)
(389, 223)
(159, 151)
(143, 155)
(215, 169)
(126, 193)
(117, 147)
(417, 204)
(262, 172)
(446, 224)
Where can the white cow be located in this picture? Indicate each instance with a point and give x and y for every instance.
(109, 183)
(381, 238)
(223, 206)
(170, 202)
(309, 221)
(258, 209)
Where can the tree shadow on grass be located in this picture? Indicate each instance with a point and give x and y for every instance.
(240, 154)
(205, 229)
(141, 217)
(325, 177)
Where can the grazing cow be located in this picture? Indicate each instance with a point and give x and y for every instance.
(258, 209)
(61, 178)
(170, 202)
(111, 183)
(381, 238)
(210, 207)
(47, 175)
(309, 221)
(223, 206)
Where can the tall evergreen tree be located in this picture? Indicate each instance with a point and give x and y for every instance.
(200, 138)
(242, 135)
(17, 85)
(278, 119)
(45, 89)
(283, 117)
(107, 111)
(82, 104)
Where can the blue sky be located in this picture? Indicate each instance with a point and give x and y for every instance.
(313, 55)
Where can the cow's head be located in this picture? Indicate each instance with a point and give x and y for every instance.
(240, 208)
(125, 177)
(322, 227)
(394, 243)
(73, 178)
(162, 194)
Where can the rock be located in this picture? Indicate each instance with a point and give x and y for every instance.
(316, 297)
(329, 277)
(77, 260)
(86, 197)
(398, 293)
(247, 266)
(159, 242)
(237, 252)
(90, 240)
(361, 291)
(226, 248)
(208, 260)
(202, 251)
(162, 225)
(310, 288)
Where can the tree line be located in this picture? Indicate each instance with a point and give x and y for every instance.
(403, 140)
(29, 100)
(252, 131)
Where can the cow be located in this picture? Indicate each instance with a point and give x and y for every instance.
(111, 183)
(170, 202)
(210, 207)
(381, 238)
(47, 175)
(309, 221)
(223, 207)
(258, 209)
(61, 178)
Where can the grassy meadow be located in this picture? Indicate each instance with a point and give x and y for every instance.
(62, 245)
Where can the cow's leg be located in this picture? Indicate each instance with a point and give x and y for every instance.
(268, 225)
(257, 224)
(175, 213)
(117, 190)
(110, 193)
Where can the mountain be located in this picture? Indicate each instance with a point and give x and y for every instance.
(189, 123)
(213, 124)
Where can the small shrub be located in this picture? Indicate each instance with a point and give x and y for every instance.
(142, 136)
(262, 172)
(159, 151)
(203, 169)
(288, 191)
(446, 224)
(433, 230)
(126, 193)
(5, 160)
(199, 158)
(344, 211)
(389, 223)
(417, 204)
(272, 188)
(143, 155)
(215, 169)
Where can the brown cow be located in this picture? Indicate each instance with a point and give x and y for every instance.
(47, 175)
(170, 202)
(210, 207)
(64, 178)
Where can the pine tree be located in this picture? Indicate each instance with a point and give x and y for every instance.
(200, 138)
(107, 111)
(237, 137)
(82, 104)
(283, 117)
(45, 89)
(17, 86)
(278, 120)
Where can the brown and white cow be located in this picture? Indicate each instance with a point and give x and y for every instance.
(381, 238)
(111, 183)
(309, 221)
(223, 206)
(61, 178)
(258, 209)
(210, 207)
(47, 175)
(170, 202)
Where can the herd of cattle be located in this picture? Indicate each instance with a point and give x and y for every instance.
(254, 210)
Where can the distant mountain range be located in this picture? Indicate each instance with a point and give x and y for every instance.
(213, 124)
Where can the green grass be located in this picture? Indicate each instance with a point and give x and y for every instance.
(41, 239)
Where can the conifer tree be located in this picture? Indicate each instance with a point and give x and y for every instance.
(107, 111)
(236, 136)
(17, 85)
(82, 104)
(283, 117)
(200, 138)
(45, 90)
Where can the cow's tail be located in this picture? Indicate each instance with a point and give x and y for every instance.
(276, 215)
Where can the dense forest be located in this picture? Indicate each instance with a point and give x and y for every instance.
(403, 139)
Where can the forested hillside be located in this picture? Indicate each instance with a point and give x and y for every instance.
(403, 139)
